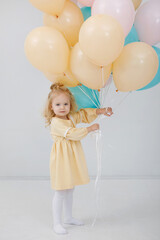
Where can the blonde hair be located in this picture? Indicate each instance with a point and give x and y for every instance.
(57, 88)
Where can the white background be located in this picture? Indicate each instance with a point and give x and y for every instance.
(131, 137)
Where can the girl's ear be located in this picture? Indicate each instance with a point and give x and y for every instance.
(51, 108)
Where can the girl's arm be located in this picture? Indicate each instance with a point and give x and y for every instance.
(59, 129)
(88, 115)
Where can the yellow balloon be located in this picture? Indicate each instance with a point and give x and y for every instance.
(54, 7)
(101, 38)
(136, 3)
(135, 67)
(86, 72)
(47, 50)
(68, 22)
(66, 78)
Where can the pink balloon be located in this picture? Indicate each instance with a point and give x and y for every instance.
(147, 22)
(87, 3)
(74, 1)
(122, 10)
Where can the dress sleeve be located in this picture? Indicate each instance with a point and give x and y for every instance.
(59, 129)
(86, 115)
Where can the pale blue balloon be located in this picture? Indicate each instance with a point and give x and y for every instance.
(156, 79)
(85, 97)
(86, 11)
(132, 36)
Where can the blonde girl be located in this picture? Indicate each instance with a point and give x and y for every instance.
(67, 162)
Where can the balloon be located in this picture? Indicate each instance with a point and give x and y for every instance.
(47, 50)
(136, 3)
(101, 38)
(156, 79)
(49, 6)
(135, 67)
(65, 78)
(74, 1)
(80, 5)
(87, 3)
(68, 22)
(85, 97)
(132, 36)
(122, 10)
(147, 22)
(86, 72)
(86, 11)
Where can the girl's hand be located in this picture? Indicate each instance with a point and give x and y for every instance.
(108, 111)
(93, 127)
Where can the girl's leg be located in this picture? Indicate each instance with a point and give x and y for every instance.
(58, 200)
(68, 203)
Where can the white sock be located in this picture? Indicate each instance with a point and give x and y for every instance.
(58, 199)
(68, 203)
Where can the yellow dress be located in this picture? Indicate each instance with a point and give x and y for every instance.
(67, 161)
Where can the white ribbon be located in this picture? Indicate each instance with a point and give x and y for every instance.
(97, 134)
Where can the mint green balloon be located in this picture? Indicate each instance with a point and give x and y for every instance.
(85, 97)
(86, 11)
(132, 36)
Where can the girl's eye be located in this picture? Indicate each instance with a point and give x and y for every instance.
(66, 104)
(57, 104)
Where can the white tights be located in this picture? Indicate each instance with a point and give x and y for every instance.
(63, 197)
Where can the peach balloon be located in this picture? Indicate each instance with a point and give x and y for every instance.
(54, 7)
(135, 67)
(68, 22)
(87, 3)
(122, 10)
(136, 3)
(67, 78)
(47, 50)
(147, 22)
(101, 39)
(85, 71)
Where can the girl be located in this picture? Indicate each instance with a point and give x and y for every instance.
(67, 162)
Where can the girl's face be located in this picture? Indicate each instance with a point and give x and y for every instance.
(61, 105)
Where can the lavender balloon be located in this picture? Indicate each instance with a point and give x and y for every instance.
(122, 10)
(147, 22)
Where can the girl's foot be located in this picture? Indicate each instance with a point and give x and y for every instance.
(73, 221)
(59, 229)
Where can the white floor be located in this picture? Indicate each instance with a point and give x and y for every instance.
(128, 210)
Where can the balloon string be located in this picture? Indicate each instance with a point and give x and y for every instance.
(68, 76)
(102, 76)
(108, 87)
(88, 96)
(106, 90)
(97, 134)
(122, 101)
(96, 98)
(97, 94)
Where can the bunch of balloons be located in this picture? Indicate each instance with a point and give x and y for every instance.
(84, 46)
